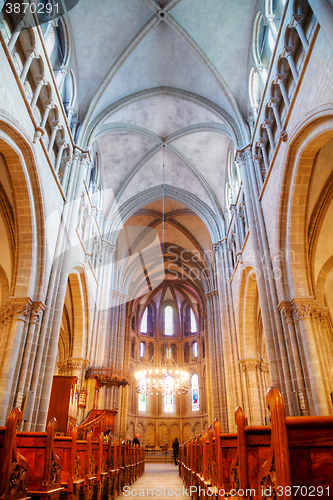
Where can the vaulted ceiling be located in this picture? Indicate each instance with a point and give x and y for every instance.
(164, 82)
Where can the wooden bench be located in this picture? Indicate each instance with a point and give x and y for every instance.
(71, 479)
(88, 466)
(253, 446)
(300, 457)
(45, 468)
(101, 465)
(14, 468)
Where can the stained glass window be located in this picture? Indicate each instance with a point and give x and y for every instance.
(271, 41)
(143, 394)
(49, 42)
(195, 392)
(142, 350)
(168, 353)
(193, 322)
(168, 394)
(195, 349)
(168, 321)
(144, 322)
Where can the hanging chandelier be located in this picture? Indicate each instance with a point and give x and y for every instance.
(151, 380)
(168, 377)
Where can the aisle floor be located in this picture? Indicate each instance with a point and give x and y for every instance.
(158, 481)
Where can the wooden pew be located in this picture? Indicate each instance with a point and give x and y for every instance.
(14, 468)
(225, 463)
(114, 469)
(101, 465)
(253, 445)
(88, 466)
(66, 449)
(45, 467)
(301, 455)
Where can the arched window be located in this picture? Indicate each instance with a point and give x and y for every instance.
(195, 350)
(168, 356)
(168, 321)
(150, 351)
(142, 349)
(187, 353)
(195, 392)
(143, 394)
(50, 42)
(193, 322)
(168, 394)
(144, 321)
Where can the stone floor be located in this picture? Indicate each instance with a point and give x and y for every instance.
(159, 481)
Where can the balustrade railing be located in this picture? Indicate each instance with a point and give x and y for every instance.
(27, 55)
(296, 35)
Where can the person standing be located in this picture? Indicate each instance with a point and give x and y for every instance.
(136, 440)
(175, 447)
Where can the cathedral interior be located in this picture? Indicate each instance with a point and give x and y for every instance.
(166, 207)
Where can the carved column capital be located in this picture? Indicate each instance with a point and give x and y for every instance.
(287, 310)
(248, 151)
(37, 310)
(302, 307)
(20, 308)
(295, 20)
(240, 158)
(253, 365)
(273, 101)
(279, 78)
(287, 51)
(267, 124)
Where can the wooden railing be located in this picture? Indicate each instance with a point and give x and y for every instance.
(292, 458)
(97, 421)
(40, 464)
(109, 376)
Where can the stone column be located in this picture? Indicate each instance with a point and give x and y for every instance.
(302, 308)
(36, 313)
(62, 144)
(295, 22)
(323, 11)
(67, 165)
(259, 175)
(267, 125)
(70, 227)
(262, 145)
(250, 367)
(37, 375)
(40, 83)
(30, 55)
(19, 311)
(271, 284)
(273, 103)
(279, 80)
(286, 308)
(287, 52)
(55, 127)
(71, 112)
(268, 330)
(228, 334)
(16, 33)
(49, 105)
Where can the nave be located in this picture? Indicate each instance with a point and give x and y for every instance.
(159, 481)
